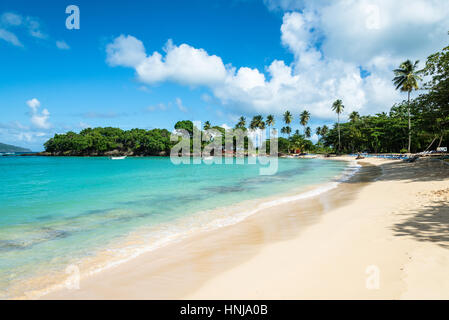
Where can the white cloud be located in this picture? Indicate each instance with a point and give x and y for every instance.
(183, 64)
(34, 104)
(31, 25)
(11, 19)
(34, 28)
(17, 133)
(40, 120)
(160, 106)
(225, 126)
(181, 107)
(84, 125)
(10, 37)
(206, 98)
(29, 136)
(62, 45)
(125, 51)
(332, 43)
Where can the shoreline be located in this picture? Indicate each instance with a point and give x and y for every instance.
(139, 243)
(239, 213)
(315, 249)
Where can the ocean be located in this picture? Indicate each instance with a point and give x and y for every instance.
(64, 213)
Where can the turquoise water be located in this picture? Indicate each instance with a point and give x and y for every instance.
(56, 211)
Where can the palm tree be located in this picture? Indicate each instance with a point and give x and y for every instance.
(338, 107)
(284, 130)
(354, 116)
(308, 132)
(324, 130)
(270, 121)
(304, 118)
(406, 79)
(287, 117)
(318, 132)
(288, 130)
(206, 125)
(257, 123)
(242, 123)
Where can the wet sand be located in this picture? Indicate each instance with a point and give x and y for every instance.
(391, 216)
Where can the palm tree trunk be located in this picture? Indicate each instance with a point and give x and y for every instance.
(338, 124)
(441, 140)
(436, 137)
(409, 124)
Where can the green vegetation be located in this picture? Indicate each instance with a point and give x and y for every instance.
(407, 77)
(338, 108)
(104, 141)
(410, 126)
(413, 125)
(10, 148)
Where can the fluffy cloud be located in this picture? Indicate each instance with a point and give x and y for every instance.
(342, 49)
(125, 51)
(183, 64)
(40, 120)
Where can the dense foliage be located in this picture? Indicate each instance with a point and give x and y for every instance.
(101, 141)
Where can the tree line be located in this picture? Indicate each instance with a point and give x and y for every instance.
(412, 125)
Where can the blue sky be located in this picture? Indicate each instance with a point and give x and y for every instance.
(226, 59)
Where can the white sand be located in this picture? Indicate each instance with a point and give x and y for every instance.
(330, 259)
(397, 226)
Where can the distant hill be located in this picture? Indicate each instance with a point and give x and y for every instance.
(10, 148)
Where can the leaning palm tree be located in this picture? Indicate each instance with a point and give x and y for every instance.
(338, 107)
(406, 79)
(206, 125)
(354, 116)
(304, 118)
(308, 132)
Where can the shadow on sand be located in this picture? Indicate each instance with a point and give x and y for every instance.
(431, 224)
(422, 170)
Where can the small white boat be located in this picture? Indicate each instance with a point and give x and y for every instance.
(118, 158)
(208, 158)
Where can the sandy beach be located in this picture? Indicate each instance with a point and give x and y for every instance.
(382, 235)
